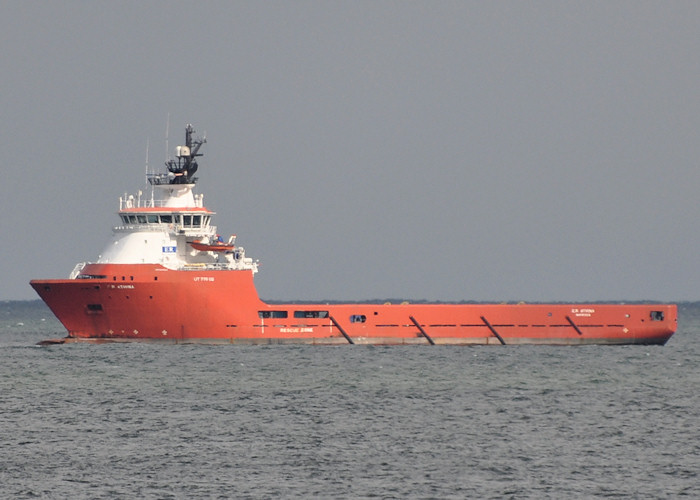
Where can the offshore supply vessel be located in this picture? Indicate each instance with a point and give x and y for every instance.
(168, 276)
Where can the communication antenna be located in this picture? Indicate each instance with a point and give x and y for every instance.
(148, 140)
(148, 143)
(167, 133)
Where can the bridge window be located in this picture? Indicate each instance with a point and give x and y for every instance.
(196, 220)
(166, 219)
(152, 219)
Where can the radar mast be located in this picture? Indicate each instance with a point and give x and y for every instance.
(183, 167)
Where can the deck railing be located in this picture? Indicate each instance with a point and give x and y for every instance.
(76, 270)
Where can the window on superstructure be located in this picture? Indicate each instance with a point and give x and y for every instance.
(166, 219)
(132, 219)
(153, 219)
(196, 220)
(125, 219)
(141, 219)
(207, 218)
(187, 220)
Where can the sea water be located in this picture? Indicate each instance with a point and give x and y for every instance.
(196, 421)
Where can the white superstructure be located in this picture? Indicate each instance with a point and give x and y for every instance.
(174, 229)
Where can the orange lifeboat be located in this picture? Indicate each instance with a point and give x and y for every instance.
(215, 246)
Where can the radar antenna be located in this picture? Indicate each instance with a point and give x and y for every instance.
(184, 165)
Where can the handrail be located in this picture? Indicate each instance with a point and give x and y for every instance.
(148, 203)
(216, 266)
(76, 270)
(139, 201)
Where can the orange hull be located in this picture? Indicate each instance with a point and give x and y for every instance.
(132, 302)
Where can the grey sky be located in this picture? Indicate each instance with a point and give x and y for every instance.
(439, 150)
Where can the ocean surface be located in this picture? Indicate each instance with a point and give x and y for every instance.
(194, 421)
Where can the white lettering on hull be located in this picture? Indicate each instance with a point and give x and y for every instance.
(583, 312)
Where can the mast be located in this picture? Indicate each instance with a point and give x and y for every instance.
(181, 169)
(184, 165)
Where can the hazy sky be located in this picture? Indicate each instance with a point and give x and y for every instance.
(421, 150)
